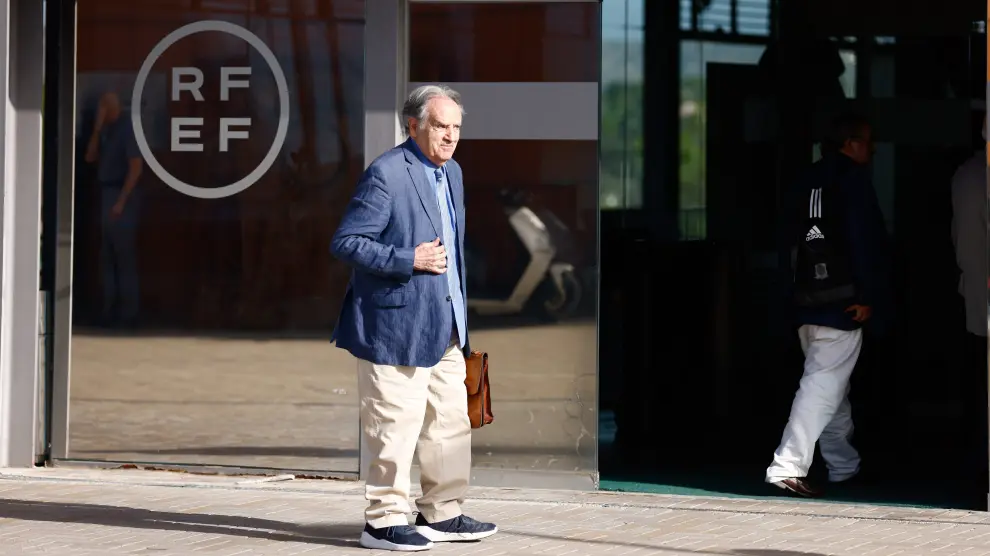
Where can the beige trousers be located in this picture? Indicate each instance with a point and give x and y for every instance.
(407, 411)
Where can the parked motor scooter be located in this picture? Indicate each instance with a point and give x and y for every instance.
(549, 284)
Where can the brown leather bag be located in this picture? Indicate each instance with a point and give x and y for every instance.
(478, 389)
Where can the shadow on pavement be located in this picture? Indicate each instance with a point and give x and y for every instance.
(337, 534)
(343, 534)
(636, 546)
(769, 552)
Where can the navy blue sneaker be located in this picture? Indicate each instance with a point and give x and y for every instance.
(401, 538)
(460, 528)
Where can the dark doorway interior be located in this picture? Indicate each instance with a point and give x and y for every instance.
(698, 366)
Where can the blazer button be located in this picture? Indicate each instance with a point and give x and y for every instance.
(448, 298)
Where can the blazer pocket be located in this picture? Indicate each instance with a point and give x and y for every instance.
(393, 298)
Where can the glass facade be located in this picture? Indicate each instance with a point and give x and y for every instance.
(201, 316)
(622, 104)
(200, 325)
(652, 141)
(543, 364)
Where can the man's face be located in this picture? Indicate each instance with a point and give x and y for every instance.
(111, 103)
(437, 136)
(861, 147)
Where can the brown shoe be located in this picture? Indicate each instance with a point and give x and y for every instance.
(799, 486)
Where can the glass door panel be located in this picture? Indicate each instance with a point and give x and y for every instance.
(529, 78)
(204, 294)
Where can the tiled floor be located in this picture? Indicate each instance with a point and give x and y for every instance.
(72, 512)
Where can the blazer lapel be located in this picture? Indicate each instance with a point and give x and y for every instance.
(426, 193)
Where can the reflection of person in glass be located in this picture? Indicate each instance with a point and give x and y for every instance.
(118, 166)
(969, 237)
(403, 317)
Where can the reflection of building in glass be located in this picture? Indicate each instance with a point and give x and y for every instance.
(242, 291)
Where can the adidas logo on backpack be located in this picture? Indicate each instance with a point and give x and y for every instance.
(822, 274)
(814, 233)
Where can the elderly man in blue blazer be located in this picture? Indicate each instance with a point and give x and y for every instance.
(404, 318)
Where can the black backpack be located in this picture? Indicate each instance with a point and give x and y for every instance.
(820, 256)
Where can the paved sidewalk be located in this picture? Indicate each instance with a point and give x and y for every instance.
(73, 512)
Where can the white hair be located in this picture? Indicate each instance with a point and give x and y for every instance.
(419, 99)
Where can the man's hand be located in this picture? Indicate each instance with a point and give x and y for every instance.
(118, 208)
(431, 257)
(862, 312)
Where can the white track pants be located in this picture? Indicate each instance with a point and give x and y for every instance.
(821, 412)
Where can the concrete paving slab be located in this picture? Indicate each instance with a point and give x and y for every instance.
(73, 512)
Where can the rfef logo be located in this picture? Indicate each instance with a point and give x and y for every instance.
(184, 132)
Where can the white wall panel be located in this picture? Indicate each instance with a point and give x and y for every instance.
(540, 111)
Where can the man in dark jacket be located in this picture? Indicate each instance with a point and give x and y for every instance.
(831, 335)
